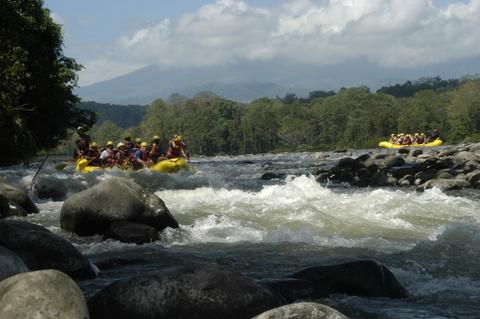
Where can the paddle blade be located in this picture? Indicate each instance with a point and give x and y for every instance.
(61, 166)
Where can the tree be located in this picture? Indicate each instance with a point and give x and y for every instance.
(37, 105)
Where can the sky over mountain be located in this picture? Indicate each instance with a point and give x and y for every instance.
(112, 38)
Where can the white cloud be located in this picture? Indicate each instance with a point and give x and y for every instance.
(392, 33)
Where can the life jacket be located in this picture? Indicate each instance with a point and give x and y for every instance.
(110, 160)
(120, 157)
(93, 157)
(175, 149)
(129, 146)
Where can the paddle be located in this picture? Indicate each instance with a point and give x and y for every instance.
(61, 166)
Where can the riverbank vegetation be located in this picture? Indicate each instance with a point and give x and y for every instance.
(352, 117)
(37, 106)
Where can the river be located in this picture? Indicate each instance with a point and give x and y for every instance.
(271, 228)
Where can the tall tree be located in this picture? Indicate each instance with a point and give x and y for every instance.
(37, 105)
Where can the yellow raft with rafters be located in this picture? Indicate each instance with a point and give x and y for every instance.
(385, 144)
(171, 165)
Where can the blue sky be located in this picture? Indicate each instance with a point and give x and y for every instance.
(114, 37)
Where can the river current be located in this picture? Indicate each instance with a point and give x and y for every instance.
(268, 228)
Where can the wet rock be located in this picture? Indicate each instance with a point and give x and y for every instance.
(290, 289)
(380, 156)
(462, 157)
(403, 151)
(361, 278)
(445, 184)
(19, 202)
(340, 151)
(406, 180)
(470, 166)
(323, 177)
(4, 207)
(401, 171)
(473, 177)
(444, 163)
(268, 166)
(393, 161)
(303, 310)
(444, 174)
(345, 163)
(446, 153)
(425, 175)
(270, 175)
(49, 187)
(415, 153)
(474, 147)
(202, 291)
(365, 162)
(93, 210)
(40, 249)
(41, 295)
(462, 176)
(10, 264)
(129, 232)
(246, 162)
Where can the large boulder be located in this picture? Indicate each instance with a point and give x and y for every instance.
(208, 291)
(93, 210)
(392, 161)
(19, 202)
(464, 156)
(10, 263)
(40, 249)
(41, 294)
(362, 278)
(303, 310)
(49, 187)
(129, 232)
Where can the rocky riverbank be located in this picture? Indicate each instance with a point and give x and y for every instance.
(37, 268)
(447, 168)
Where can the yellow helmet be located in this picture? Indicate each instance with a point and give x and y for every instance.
(119, 145)
(94, 145)
(138, 140)
(143, 144)
(178, 138)
(156, 137)
(109, 143)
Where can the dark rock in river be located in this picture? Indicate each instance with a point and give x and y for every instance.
(302, 310)
(404, 150)
(93, 210)
(129, 232)
(40, 249)
(393, 161)
(49, 187)
(4, 207)
(269, 175)
(10, 264)
(41, 295)
(202, 291)
(415, 153)
(362, 278)
(290, 289)
(18, 199)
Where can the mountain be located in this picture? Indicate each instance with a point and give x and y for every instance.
(247, 80)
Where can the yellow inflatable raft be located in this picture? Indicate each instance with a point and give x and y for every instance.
(385, 144)
(172, 165)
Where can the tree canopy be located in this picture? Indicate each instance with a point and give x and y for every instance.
(37, 106)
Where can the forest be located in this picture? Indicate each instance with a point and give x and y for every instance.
(350, 118)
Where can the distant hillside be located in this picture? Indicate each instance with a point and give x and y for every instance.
(123, 116)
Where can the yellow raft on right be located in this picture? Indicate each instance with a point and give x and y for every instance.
(385, 144)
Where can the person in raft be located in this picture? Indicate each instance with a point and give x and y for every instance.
(156, 153)
(141, 156)
(176, 148)
(435, 135)
(82, 144)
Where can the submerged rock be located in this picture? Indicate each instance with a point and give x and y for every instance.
(4, 207)
(41, 294)
(445, 184)
(19, 202)
(206, 291)
(129, 232)
(302, 310)
(49, 187)
(40, 249)
(93, 210)
(361, 278)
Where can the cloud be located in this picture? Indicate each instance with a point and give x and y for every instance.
(57, 18)
(390, 33)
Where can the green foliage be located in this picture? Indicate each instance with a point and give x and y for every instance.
(37, 105)
(123, 116)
